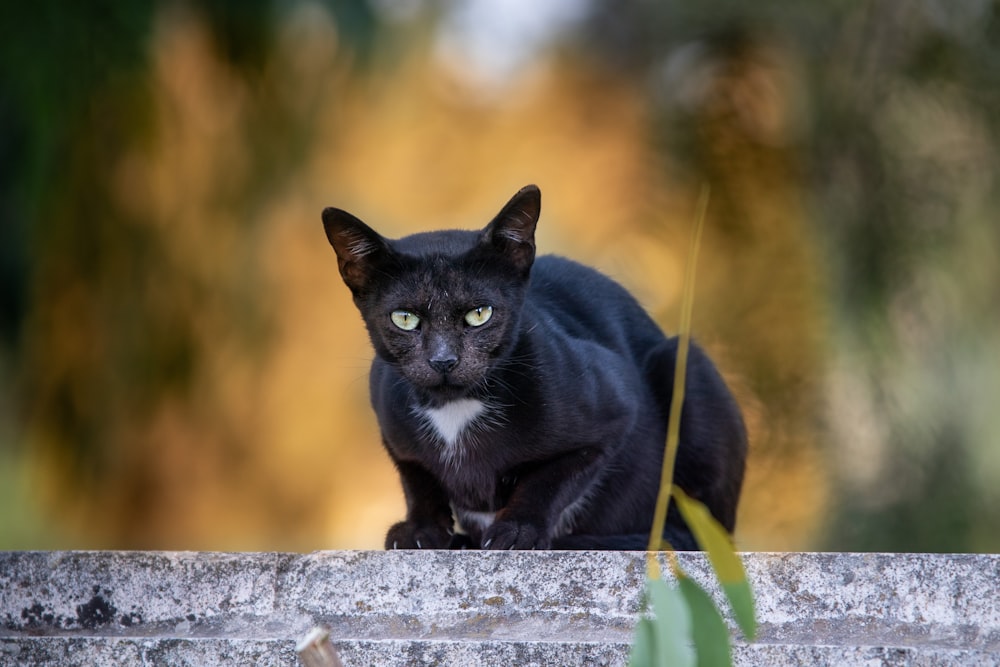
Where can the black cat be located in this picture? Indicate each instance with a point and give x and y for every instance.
(525, 402)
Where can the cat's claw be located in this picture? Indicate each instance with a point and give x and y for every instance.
(410, 535)
(507, 535)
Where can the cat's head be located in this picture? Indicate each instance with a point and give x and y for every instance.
(443, 307)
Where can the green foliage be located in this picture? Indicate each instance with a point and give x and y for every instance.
(709, 631)
(644, 645)
(893, 136)
(728, 568)
(686, 613)
(663, 640)
(680, 375)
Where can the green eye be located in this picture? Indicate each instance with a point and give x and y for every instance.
(477, 317)
(405, 320)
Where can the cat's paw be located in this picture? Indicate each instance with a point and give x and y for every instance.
(412, 535)
(515, 535)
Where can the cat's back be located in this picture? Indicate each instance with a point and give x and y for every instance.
(585, 304)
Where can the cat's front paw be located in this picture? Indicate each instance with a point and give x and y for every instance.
(515, 535)
(412, 535)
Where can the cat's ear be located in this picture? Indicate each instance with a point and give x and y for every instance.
(512, 231)
(360, 249)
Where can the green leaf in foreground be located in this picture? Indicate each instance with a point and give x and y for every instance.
(663, 641)
(672, 625)
(741, 600)
(643, 645)
(708, 630)
(727, 565)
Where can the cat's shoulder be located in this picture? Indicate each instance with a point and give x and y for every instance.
(554, 273)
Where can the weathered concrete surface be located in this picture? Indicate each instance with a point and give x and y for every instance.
(461, 608)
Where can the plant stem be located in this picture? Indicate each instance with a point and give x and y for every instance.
(677, 399)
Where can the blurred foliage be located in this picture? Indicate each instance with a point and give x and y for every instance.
(148, 137)
(180, 366)
(891, 117)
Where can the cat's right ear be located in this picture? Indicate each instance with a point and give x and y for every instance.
(360, 249)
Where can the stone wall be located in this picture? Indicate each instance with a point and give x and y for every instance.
(467, 608)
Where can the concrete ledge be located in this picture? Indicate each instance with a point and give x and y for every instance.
(458, 608)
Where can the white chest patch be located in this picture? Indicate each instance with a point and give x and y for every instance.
(481, 520)
(451, 419)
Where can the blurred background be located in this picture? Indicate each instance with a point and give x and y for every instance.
(182, 368)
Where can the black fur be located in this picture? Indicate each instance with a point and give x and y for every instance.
(576, 378)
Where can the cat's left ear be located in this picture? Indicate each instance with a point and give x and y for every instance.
(360, 249)
(512, 231)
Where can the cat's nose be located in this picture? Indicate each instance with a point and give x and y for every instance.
(443, 364)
